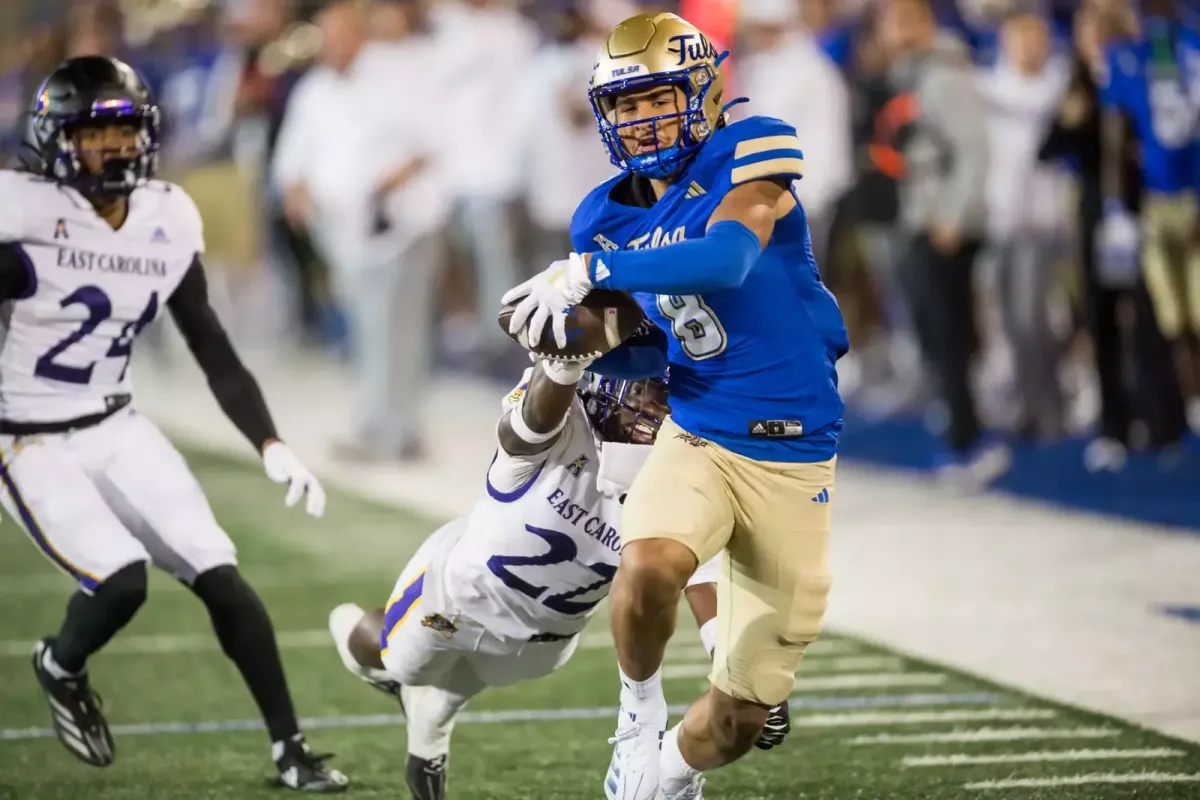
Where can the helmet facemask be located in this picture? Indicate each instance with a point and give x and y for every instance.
(626, 412)
(57, 140)
(688, 116)
(627, 415)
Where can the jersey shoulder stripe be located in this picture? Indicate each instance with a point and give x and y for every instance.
(758, 148)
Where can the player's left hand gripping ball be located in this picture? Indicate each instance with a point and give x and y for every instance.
(548, 295)
(282, 466)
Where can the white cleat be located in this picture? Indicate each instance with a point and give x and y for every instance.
(692, 791)
(637, 745)
(342, 622)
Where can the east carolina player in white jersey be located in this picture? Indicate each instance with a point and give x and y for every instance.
(91, 251)
(500, 595)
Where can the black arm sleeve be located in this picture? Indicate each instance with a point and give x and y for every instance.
(16, 276)
(231, 383)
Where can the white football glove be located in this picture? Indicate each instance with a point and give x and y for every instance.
(282, 466)
(548, 295)
(565, 373)
(1118, 247)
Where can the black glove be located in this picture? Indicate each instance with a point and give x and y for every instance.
(777, 727)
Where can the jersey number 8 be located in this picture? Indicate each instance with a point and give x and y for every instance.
(694, 324)
(1171, 114)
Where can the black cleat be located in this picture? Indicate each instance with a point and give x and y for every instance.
(75, 712)
(303, 770)
(426, 779)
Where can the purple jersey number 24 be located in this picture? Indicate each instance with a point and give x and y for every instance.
(99, 308)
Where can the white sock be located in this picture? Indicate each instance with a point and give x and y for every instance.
(708, 635)
(54, 669)
(674, 773)
(643, 697)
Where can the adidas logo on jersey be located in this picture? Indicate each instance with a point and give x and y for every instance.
(695, 190)
(159, 237)
(758, 429)
(822, 498)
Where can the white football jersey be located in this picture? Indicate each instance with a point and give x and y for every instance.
(542, 546)
(65, 347)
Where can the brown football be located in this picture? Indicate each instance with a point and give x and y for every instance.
(600, 322)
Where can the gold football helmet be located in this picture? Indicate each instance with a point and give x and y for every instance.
(644, 53)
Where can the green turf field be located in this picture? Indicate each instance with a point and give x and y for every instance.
(869, 724)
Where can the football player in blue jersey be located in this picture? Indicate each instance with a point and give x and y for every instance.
(703, 227)
(1153, 80)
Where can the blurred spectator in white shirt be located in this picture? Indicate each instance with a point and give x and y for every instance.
(1027, 210)
(486, 47)
(359, 165)
(218, 125)
(787, 75)
(563, 157)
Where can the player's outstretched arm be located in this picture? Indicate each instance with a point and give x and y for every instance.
(236, 390)
(534, 424)
(231, 383)
(737, 233)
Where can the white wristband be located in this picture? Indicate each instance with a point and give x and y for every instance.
(516, 419)
(564, 373)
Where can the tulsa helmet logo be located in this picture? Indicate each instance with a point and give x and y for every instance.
(699, 50)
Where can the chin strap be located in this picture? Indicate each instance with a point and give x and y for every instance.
(737, 101)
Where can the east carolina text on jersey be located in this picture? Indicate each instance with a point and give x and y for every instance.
(90, 260)
(762, 352)
(541, 547)
(66, 344)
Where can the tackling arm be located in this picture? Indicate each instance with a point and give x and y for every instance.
(737, 233)
(533, 425)
(231, 383)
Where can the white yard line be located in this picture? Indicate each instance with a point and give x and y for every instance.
(469, 717)
(182, 643)
(688, 640)
(1085, 780)
(1012, 734)
(822, 683)
(965, 759)
(55, 585)
(865, 718)
(811, 664)
(683, 646)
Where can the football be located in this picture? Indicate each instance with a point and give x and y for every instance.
(601, 321)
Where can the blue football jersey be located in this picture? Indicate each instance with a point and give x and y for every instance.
(739, 358)
(1162, 101)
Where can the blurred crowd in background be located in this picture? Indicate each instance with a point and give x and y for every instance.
(374, 175)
